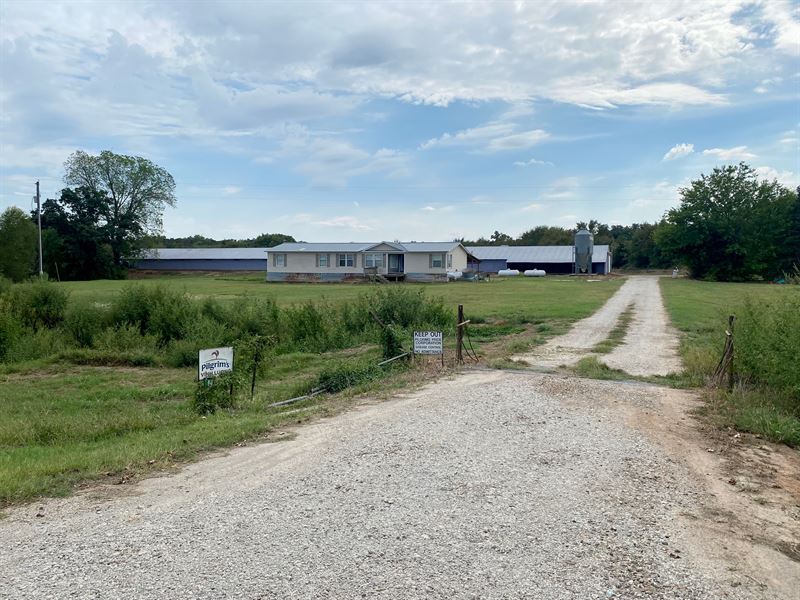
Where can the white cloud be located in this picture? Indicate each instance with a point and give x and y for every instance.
(532, 207)
(330, 161)
(736, 153)
(492, 137)
(428, 208)
(344, 222)
(231, 190)
(787, 178)
(532, 162)
(678, 151)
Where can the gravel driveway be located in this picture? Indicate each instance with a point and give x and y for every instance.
(650, 346)
(489, 485)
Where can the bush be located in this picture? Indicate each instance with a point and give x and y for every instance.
(767, 342)
(314, 327)
(341, 377)
(406, 307)
(155, 310)
(39, 343)
(5, 285)
(215, 393)
(10, 330)
(125, 338)
(39, 304)
(84, 321)
(390, 342)
(252, 316)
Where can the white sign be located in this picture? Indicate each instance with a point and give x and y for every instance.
(214, 361)
(428, 342)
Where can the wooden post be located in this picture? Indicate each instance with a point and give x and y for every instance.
(460, 334)
(731, 320)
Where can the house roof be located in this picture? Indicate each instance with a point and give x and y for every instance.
(205, 254)
(364, 246)
(534, 254)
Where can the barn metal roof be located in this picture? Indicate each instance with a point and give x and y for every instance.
(363, 246)
(205, 253)
(534, 254)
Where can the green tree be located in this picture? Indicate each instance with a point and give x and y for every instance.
(500, 239)
(136, 191)
(544, 235)
(18, 240)
(77, 236)
(729, 225)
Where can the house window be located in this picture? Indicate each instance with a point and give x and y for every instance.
(278, 260)
(437, 261)
(449, 261)
(323, 260)
(347, 260)
(373, 259)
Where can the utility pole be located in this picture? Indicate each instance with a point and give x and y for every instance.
(39, 218)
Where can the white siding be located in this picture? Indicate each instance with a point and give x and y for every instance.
(306, 262)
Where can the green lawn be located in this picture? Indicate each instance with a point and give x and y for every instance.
(520, 298)
(700, 311)
(62, 424)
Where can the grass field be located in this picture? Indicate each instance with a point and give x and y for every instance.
(62, 423)
(700, 311)
(517, 299)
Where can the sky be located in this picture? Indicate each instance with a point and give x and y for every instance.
(368, 121)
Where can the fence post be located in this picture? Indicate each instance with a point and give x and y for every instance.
(460, 334)
(731, 320)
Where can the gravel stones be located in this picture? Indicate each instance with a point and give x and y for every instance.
(483, 486)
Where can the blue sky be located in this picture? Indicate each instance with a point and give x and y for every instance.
(360, 121)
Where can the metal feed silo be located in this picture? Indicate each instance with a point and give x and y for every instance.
(584, 245)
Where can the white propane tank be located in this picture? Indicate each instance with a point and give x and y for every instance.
(535, 273)
(508, 272)
(454, 274)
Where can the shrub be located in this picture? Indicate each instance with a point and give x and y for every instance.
(313, 327)
(39, 304)
(84, 321)
(407, 307)
(390, 342)
(252, 316)
(155, 310)
(39, 343)
(125, 338)
(215, 393)
(338, 378)
(5, 285)
(10, 329)
(768, 343)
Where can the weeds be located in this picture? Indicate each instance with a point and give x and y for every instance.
(617, 335)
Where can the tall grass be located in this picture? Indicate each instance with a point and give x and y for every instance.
(156, 325)
(766, 397)
(768, 343)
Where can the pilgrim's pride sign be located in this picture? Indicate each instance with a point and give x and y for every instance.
(214, 361)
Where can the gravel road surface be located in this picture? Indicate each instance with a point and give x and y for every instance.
(649, 347)
(488, 485)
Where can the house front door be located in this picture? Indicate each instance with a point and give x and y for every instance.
(396, 263)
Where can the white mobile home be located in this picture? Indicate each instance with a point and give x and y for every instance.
(409, 261)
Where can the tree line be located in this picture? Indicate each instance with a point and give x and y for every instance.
(730, 225)
(632, 246)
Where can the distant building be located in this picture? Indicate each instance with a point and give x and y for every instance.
(409, 261)
(203, 259)
(552, 259)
